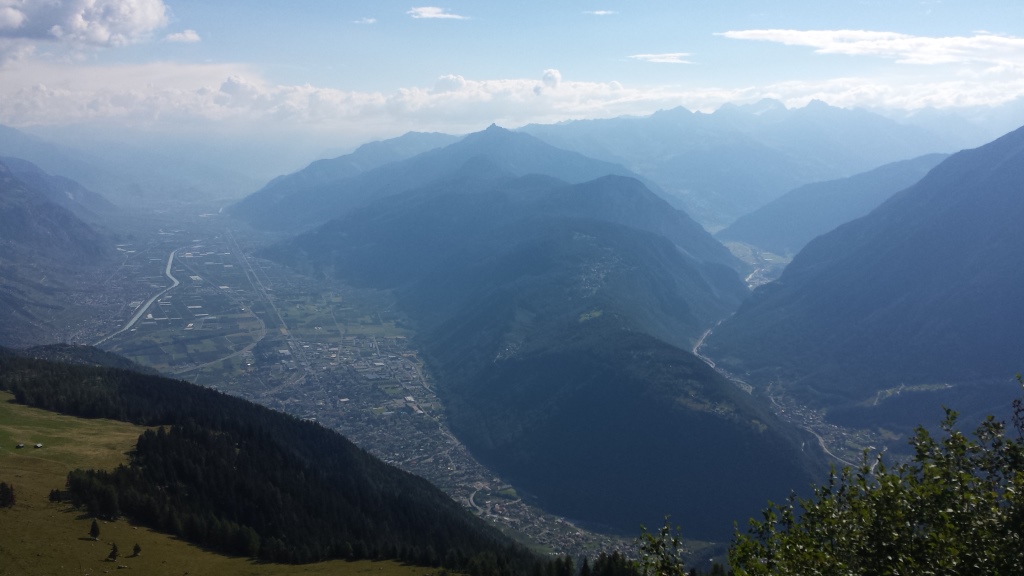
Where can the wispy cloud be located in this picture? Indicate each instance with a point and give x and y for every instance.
(41, 91)
(600, 12)
(365, 21)
(667, 58)
(187, 36)
(902, 48)
(434, 12)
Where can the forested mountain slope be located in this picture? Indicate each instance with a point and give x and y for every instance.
(557, 320)
(242, 479)
(923, 290)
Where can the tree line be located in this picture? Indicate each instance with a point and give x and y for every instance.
(235, 477)
(241, 479)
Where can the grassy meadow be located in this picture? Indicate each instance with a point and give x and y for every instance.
(44, 538)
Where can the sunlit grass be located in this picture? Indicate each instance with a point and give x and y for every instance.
(38, 537)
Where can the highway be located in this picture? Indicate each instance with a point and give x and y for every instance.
(142, 309)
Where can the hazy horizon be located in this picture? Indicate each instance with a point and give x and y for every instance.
(293, 82)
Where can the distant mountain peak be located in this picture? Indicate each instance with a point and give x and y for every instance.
(677, 112)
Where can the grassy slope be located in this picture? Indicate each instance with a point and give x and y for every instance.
(39, 537)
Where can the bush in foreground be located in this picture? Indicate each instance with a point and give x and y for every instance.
(957, 507)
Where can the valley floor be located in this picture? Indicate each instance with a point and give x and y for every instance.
(192, 302)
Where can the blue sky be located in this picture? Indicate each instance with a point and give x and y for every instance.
(349, 71)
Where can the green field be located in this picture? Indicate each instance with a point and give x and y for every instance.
(40, 537)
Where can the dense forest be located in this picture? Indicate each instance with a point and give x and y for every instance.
(241, 479)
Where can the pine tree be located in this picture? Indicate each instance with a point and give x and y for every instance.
(94, 530)
(113, 552)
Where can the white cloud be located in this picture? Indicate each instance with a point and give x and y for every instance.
(449, 83)
(667, 58)
(552, 78)
(434, 12)
(106, 22)
(49, 93)
(600, 12)
(41, 91)
(187, 36)
(910, 95)
(365, 21)
(902, 48)
(11, 18)
(27, 25)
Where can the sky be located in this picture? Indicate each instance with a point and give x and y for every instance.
(336, 73)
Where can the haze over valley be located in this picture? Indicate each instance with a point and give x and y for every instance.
(499, 323)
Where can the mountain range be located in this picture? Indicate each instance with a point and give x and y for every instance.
(151, 170)
(326, 172)
(786, 224)
(317, 202)
(64, 192)
(720, 166)
(923, 291)
(557, 319)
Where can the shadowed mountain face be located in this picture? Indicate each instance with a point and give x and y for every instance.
(307, 206)
(39, 241)
(787, 224)
(64, 192)
(30, 223)
(557, 319)
(720, 166)
(924, 290)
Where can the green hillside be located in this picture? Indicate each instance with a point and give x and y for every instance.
(241, 479)
(39, 537)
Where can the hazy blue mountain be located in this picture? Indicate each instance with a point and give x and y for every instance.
(786, 224)
(61, 191)
(720, 166)
(557, 320)
(40, 243)
(54, 158)
(517, 154)
(367, 157)
(923, 290)
(972, 126)
(136, 168)
(30, 221)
